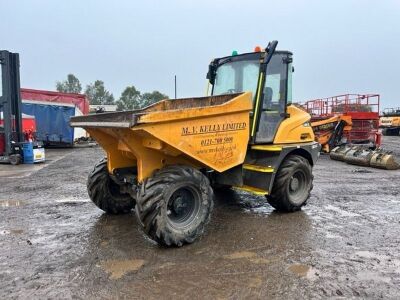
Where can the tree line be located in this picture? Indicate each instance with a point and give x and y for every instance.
(97, 94)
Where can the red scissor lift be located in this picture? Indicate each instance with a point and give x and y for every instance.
(363, 109)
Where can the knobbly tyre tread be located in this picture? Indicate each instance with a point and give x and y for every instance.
(98, 190)
(279, 198)
(152, 200)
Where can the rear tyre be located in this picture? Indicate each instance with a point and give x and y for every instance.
(174, 205)
(292, 185)
(105, 193)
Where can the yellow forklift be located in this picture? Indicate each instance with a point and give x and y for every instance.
(164, 160)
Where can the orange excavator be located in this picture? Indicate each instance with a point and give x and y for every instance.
(329, 132)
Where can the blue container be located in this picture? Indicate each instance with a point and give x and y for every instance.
(32, 153)
(27, 150)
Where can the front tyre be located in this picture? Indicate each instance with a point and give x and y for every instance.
(174, 205)
(105, 193)
(292, 185)
(15, 159)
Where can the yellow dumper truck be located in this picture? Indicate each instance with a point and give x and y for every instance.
(164, 160)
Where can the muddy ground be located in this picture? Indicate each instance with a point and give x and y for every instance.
(345, 243)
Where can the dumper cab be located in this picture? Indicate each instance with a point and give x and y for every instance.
(277, 128)
(166, 159)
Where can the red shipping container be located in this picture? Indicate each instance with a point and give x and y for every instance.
(78, 100)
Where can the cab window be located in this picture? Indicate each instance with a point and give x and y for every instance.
(236, 77)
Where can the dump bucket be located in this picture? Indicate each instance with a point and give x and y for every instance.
(207, 131)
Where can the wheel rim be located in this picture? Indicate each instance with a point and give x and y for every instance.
(183, 207)
(298, 187)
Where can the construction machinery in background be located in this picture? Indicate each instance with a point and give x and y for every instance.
(390, 121)
(347, 126)
(16, 132)
(362, 109)
(164, 160)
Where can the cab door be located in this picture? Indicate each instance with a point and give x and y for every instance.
(276, 91)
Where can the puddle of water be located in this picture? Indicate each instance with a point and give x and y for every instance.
(11, 203)
(118, 268)
(302, 271)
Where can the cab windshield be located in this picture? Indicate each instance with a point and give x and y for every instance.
(236, 77)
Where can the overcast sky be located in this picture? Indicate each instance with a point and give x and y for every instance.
(339, 46)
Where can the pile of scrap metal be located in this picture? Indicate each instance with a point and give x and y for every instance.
(363, 156)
